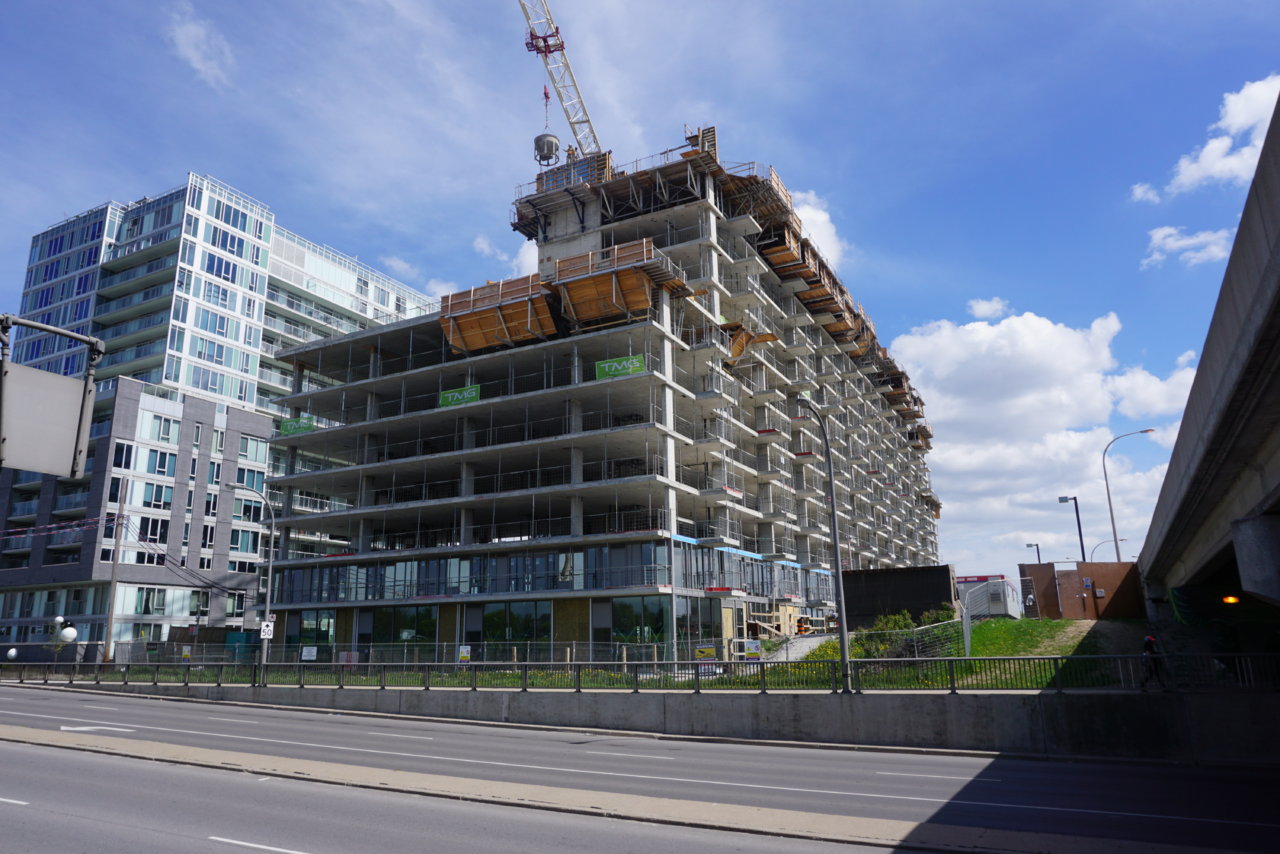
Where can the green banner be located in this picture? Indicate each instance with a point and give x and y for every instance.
(301, 424)
(620, 367)
(458, 396)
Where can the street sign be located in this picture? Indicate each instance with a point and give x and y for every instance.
(267, 631)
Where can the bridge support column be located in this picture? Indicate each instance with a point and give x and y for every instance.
(1257, 545)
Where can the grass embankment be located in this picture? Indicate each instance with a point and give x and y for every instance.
(993, 638)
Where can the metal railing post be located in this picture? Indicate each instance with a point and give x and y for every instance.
(125, 679)
(835, 678)
(472, 668)
(382, 678)
(951, 673)
(1057, 675)
(697, 678)
(217, 683)
(342, 676)
(186, 677)
(524, 677)
(426, 677)
(764, 688)
(635, 678)
(577, 678)
(856, 668)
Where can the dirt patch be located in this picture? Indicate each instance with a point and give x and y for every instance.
(1096, 637)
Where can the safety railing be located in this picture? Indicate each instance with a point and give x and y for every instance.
(1128, 673)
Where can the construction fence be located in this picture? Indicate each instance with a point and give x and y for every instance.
(1184, 673)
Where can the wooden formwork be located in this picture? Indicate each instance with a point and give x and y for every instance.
(496, 313)
(591, 300)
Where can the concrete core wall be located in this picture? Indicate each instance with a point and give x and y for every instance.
(1200, 728)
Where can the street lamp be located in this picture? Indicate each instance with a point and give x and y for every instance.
(845, 676)
(1035, 546)
(64, 630)
(271, 547)
(1063, 499)
(1094, 550)
(1107, 484)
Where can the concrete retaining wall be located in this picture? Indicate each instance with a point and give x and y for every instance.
(1201, 728)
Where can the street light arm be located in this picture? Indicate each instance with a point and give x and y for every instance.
(1106, 482)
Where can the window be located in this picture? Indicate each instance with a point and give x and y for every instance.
(113, 492)
(247, 510)
(206, 563)
(153, 530)
(215, 473)
(164, 430)
(226, 241)
(219, 437)
(244, 541)
(211, 503)
(150, 600)
(196, 442)
(248, 477)
(235, 605)
(199, 606)
(123, 456)
(253, 450)
(186, 537)
(216, 294)
(157, 497)
(180, 309)
(162, 462)
(206, 537)
(242, 566)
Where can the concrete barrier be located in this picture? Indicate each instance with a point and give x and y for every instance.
(1199, 728)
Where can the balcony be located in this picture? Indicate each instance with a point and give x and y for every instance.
(151, 273)
(24, 508)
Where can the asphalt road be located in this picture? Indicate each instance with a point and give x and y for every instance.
(1123, 801)
(67, 801)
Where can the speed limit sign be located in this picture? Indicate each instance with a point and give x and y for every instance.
(267, 631)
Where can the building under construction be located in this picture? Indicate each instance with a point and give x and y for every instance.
(611, 450)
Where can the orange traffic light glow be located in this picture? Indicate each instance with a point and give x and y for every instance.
(1231, 600)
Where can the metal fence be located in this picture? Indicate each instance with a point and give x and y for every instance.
(1183, 673)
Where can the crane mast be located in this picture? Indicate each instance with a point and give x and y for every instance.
(544, 39)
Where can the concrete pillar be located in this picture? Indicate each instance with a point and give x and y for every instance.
(575, 364)
(468, 427)
(468, 478)
(575, 515)
(466, 520)
(575, 465)
(1257, 546)
(573, 413)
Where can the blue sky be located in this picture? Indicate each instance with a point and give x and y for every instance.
(1034, 201)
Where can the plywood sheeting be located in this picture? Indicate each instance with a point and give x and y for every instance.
(497, 313)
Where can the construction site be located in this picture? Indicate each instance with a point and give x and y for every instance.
(621, 449)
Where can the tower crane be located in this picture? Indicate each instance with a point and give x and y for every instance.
(544, 39)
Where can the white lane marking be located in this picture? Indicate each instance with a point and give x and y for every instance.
(397, 735)
(941, 777)
(104, 708)
(9, 801)
(255, 845)
(232, 720)
(628, 755)
(93, 728)
(694, 781)
(263, 779)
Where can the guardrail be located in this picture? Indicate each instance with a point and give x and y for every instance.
(1185, 673)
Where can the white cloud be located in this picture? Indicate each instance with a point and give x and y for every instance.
(1139, 393)
(1191, 249)
(198, 43)
(1232, 155)
(400, 268)
(523, 263)
(1168, 434)
(526, 260)
(1144, 193)
(439, 287)
(1021, 409)
(485, 247)
(988, 309)
(813, 213)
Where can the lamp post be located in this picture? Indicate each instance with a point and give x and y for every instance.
(271, 547)
(1035, 546)
(1063, 499)
(845, 676)
(1107, 483)
(1094, 550)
